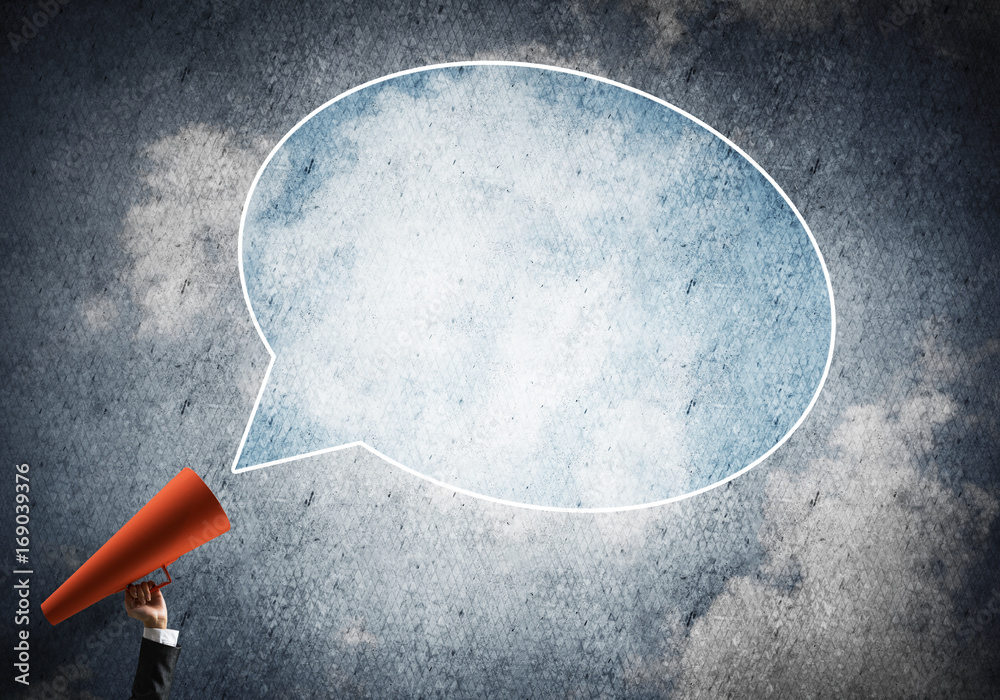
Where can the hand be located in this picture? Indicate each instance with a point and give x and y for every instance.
(146, 604)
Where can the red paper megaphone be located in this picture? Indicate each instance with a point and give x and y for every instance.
(182, 516)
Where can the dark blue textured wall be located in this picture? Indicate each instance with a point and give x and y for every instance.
(858, 561)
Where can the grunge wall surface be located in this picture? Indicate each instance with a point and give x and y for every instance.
(858, 561)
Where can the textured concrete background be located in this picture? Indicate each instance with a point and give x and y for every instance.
(858, 561)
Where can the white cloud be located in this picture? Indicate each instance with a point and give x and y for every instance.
(99, 313)
(661, 17)
(182, 235)
(664, 16)
(866, 549)
(356, 633)
(440, 278)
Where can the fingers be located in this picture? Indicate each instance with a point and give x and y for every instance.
(144, 602)
(141, 594)
(155, 596)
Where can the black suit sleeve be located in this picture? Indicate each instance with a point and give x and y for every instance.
(155, 671)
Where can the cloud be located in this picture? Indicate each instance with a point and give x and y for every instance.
(356, 633)
(99, 313)
(182, 235)
(663, 17)
(866, 551)
(485, 274)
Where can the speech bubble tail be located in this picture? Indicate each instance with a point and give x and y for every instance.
(277, 433)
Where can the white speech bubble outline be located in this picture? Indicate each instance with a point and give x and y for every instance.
(458, 489)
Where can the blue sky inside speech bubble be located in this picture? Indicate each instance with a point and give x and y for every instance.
(531, 285)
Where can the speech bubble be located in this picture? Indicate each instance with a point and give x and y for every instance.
(531, 285)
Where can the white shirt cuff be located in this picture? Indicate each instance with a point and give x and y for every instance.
(154, 634)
